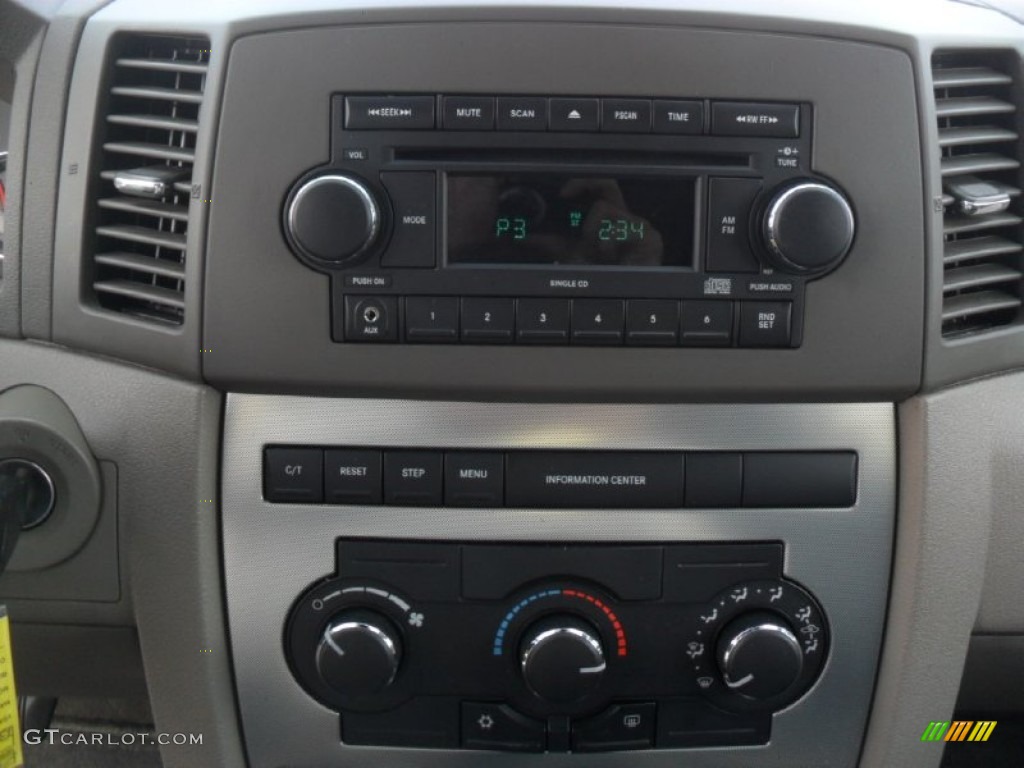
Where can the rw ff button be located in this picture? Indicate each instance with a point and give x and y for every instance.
(765, 323)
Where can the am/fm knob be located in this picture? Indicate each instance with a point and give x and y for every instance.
(332, 220)
(808, 228)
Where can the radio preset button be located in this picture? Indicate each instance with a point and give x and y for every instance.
(765, 323)
(522, 113)
(432, 318)
(737, 118)
(371, 318)
(652, 322)
(468, 113)
(352, 476)
(707, 323)
(542, 321)
(367, 113)
(574, 115)
(685, 117)
(413, 478)
(414, 200)
(488, 321)
(728, 240)
(626, 115)
(597, 321)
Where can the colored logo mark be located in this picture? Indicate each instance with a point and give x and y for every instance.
(959, 730)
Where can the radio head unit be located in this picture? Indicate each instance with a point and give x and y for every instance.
(532, 220)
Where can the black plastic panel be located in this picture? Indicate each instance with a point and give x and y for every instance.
(461, 613)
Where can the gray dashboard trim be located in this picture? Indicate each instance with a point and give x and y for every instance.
(863, 328)
(164, 436)
(955, 451)
(273, 551)
(20, 41)
(43, 152)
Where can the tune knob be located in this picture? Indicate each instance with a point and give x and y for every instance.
(562, 659)
(808, 228)
(332, 220)
(759, 655)
(359, 653)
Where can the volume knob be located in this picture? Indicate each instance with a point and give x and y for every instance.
(332, 220)
(808, 228)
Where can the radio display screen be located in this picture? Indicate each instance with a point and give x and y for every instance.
(533, 218)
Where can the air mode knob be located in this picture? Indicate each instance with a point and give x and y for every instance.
(562, 659)
(332, 220)
(359, 653)
(759, 655)
(808, 228)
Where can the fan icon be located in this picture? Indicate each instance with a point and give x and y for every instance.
(416, 619)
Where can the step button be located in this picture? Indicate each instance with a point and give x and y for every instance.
(413, 478)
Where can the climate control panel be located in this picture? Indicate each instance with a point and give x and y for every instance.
(556, 647)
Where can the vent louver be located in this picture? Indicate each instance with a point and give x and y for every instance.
(976, 94)
(148, 140)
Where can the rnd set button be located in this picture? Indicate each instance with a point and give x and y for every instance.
(765, 323)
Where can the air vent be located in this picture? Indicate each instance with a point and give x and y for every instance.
(146, 156)
(976, 94)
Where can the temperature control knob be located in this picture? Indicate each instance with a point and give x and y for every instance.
(359, 653)
(759, 655)
(562, 659)
(808, 228)
(332, 220)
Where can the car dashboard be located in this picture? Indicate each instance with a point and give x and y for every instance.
(417, 384)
